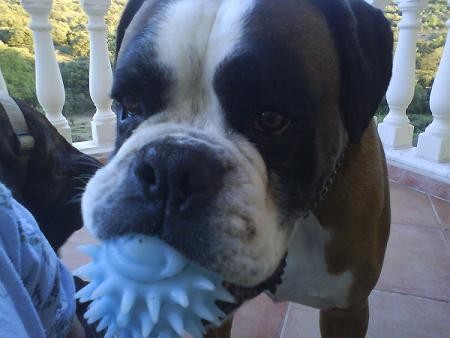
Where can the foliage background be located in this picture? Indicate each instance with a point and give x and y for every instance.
(71, 41)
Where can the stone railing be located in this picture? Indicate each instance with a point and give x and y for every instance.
(430, 157)
(49, 85)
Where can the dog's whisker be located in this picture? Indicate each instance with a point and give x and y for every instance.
(93, 165)
(75, 199)
(85, 176)
(83, 180)
(82, 189)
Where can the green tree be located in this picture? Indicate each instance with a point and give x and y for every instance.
(18, 70)
(14, 22)
(75, 75)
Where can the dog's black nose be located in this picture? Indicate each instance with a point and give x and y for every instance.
(178, 176)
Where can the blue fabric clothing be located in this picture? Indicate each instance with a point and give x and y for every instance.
(36, 290)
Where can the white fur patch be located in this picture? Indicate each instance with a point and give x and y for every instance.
(306, 279)
(194, 37)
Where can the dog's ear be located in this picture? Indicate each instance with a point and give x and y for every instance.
(364, 43)
(128, 14)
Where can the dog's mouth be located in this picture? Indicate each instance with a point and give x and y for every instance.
(242, 294)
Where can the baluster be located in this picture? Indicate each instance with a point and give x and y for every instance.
(434, 143)
(380, 4)
(396, 131)
(100, 73)
(49, 84)
(3, 87)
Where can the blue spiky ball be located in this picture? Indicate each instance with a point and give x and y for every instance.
(142, 287)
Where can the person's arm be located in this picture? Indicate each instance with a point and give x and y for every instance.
(44, 279)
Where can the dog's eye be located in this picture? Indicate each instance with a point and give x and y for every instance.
(131, 107)
(272, 122)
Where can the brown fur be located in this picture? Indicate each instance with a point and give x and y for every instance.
(357, 213)
(319, 62)
(345, 323)
(356, 210)
(359, 222)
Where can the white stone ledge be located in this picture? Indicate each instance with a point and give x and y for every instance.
(407, 159)
(91, 148)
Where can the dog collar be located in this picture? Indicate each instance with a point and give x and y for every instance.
(19, 125)
(326, 186)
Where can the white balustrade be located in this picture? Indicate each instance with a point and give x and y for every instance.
(49, 84)
(3, 87)
(434, 143)
(100, 72)
(396, 131)
(380, 4)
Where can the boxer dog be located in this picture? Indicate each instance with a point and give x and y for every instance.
(246, 141)
(44, 172)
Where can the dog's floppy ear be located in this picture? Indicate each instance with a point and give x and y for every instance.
(364, 44)
(128, 14)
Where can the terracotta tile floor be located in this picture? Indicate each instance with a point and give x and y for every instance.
(412, 297)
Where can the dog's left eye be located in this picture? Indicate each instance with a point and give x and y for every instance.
(131, 107)
(272, 122)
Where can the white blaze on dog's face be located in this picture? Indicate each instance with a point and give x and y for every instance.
(228, 121)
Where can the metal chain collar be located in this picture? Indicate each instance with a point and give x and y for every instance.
(326, 187)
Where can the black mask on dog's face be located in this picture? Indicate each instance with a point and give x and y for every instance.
(230, 117)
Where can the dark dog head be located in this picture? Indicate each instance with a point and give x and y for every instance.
(231, 116)
(51, 181)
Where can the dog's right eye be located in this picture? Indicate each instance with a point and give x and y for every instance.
(131, 107)
(272, 122)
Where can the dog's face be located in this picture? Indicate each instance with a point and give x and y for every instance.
(231, 116)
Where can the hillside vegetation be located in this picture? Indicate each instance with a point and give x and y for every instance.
(71, 40)
(72, 45)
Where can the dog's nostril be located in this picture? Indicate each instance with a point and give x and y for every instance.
(194, 181)
(146, 173)
(178, 177)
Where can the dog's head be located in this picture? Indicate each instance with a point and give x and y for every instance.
(50, 181)
(231, 116)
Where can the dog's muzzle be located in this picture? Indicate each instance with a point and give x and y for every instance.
(177, 180)
(203, 194)
(170, 183)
